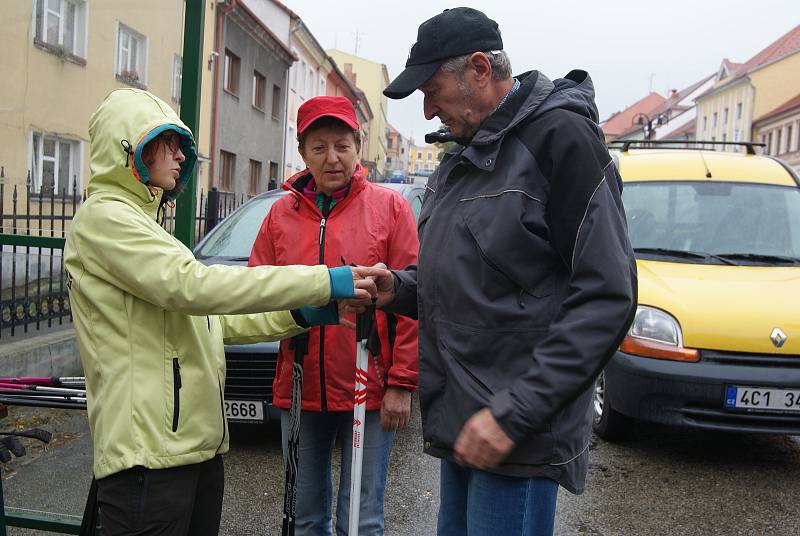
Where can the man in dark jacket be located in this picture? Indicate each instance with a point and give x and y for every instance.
(526, 281)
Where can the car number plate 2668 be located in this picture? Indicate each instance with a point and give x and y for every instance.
(244, 410)
(762, 398)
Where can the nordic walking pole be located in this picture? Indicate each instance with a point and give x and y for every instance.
(293, 440)
(52, 381)
(363, 329)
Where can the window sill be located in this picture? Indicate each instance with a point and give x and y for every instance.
(276, 118)
(231, 93)
(58, 52)
(133, 83)
(260, 110)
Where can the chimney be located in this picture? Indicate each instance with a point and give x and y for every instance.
(348, 72)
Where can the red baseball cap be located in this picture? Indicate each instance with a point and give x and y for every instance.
(324, 106)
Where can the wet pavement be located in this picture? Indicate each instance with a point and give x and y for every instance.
(661, 481)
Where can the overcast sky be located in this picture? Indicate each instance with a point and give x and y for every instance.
(625, 46)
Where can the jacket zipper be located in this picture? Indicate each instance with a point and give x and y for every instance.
(323, 396)
(222, 410)
(176, 393)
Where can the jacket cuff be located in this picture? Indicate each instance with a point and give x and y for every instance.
(502, 408)
(341, 283)
(298, 318)
(317, 316)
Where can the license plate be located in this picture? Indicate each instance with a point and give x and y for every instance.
(244, 410)
(762, 398)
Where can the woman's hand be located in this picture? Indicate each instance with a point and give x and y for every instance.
(381, 288)
(395, 409)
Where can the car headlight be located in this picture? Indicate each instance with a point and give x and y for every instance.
(655, 333)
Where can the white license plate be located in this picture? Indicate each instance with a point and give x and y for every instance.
(762, 398)
(244, 410)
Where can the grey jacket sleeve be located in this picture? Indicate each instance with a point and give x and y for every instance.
(588, 229)
(405, 292)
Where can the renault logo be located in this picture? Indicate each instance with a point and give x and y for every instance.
(778, 337)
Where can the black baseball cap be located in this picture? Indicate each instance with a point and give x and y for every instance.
(454, 32)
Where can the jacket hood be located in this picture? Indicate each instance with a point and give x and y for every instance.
(119, 129)
(535, 96)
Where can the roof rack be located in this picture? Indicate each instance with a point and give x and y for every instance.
(624, 145)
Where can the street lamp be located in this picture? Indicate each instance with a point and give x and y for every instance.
(645, 122)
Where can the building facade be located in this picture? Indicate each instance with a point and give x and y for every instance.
(619, 124)
(372, 78)
(249, 114)
(397, 147)
(422, 160)
(44, 130)
(744, 92)
(339, 85)
(779, 130)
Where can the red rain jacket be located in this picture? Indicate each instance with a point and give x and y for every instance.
(371, 224)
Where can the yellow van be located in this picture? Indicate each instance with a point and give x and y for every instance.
(716, 339)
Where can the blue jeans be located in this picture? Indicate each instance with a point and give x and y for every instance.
(318, 433)
(477, 503)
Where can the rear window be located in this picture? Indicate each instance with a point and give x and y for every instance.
(714, 217)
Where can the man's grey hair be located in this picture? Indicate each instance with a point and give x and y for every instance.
(498, 59)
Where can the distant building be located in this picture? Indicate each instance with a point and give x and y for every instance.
(249, 119)
(340, 85)
(674, 119)
(423, 160)
(372, 78)
(631, 119)
(397, 147)
(60, 59)
(779, 129)
(750, 90)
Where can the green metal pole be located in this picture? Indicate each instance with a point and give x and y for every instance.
(193, 24)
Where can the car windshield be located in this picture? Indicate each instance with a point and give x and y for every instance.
(736, 221)
(234, 236)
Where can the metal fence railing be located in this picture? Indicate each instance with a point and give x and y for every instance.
(33, 229)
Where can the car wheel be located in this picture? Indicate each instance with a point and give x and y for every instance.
(606, 423)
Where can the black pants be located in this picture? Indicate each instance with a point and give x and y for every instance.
(179, 501)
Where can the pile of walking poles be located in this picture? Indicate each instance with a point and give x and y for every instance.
(46, 392)
(364, 325)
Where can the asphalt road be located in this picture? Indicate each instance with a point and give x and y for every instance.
(661, 481)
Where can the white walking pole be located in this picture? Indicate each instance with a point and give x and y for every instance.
(363, 328)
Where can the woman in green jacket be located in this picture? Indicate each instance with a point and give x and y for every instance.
(151, 322)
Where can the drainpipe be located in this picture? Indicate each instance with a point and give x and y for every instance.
(222, 10)
(294, 28)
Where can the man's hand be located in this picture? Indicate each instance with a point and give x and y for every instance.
(482, 443)
(395, 409)
(384, 285)
(380, 286)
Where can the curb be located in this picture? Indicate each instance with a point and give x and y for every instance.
(51, 354)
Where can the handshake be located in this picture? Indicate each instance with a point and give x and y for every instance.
(373, 286)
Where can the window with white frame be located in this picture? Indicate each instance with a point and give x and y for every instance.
(322, 86)
(62, 23)
(55, 164)
(131, 56)
(739, 110)
(301, 80)
(177, 77)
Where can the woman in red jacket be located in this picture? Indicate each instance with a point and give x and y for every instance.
(336, 217)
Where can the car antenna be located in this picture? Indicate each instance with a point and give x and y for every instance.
(708, 171)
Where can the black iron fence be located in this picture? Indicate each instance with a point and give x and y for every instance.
(33, 227)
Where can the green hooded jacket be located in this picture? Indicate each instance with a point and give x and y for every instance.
(151, 321)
